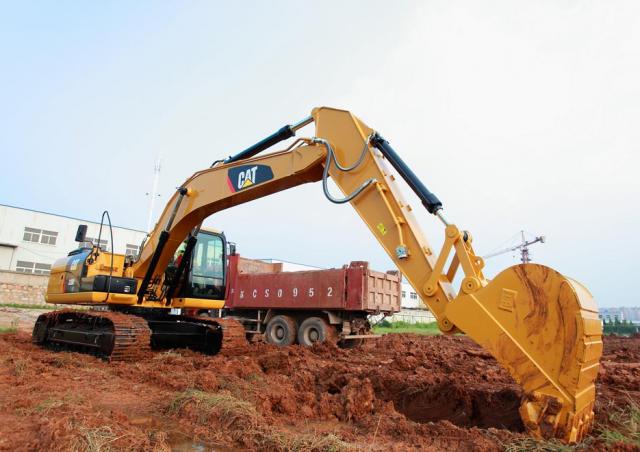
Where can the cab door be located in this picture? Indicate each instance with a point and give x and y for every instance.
(206, 278)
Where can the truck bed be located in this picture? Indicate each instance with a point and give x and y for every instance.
(353, 287)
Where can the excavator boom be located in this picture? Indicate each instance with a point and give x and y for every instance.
(540, 325)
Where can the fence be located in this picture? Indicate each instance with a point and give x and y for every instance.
(22, 288)
(409, 315)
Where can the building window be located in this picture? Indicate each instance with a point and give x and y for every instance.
(132, 250)
(42, 269)
(31, 235)
(413, 296)
(404, 294)
(33, 267)
(24, 266)
(103, 243)
(40, 236)
(49, 237)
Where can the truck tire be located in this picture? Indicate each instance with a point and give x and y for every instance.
(281, 331)
(315, 329)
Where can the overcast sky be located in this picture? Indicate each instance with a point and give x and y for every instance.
(517, 114)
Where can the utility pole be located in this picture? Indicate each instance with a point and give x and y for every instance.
(154, 192)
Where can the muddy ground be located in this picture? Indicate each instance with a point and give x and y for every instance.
(401, 392)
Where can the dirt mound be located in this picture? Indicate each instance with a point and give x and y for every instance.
(401, 392)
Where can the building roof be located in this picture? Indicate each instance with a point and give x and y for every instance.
(65, 216)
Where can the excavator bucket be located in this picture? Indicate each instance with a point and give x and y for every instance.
(544, 329)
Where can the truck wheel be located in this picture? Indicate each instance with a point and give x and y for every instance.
(315, 329)
(281, 331)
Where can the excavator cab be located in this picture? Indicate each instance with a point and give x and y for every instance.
(203, 274)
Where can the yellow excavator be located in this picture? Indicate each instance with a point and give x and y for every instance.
(543, 327)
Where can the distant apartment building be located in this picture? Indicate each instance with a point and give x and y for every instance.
(31, 241)
(631, 314)
(611, 315)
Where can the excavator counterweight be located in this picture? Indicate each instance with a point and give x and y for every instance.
(540, 325)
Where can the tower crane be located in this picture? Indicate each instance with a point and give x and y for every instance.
(523, 247)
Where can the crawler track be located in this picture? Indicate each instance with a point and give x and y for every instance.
(234, 337)
(120, 336)
(111, 335)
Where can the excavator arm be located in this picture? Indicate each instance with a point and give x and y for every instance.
(540, 325)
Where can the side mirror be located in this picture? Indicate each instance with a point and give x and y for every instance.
(232, 249)
(81, 233)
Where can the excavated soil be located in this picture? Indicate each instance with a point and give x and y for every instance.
(400, 392)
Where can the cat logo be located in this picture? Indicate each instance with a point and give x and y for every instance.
(246, 176)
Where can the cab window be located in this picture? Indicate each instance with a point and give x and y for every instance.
(207, 267)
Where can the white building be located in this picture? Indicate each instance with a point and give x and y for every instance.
(30, 241)
(608, 315)
(410, 298)
(631, 313)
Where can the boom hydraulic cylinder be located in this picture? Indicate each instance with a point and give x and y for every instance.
(429, 200)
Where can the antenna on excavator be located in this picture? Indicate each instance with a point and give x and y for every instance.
(523, 247)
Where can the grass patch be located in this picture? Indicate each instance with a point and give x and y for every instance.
(96, 439)
(227, 416)
(303, 442)
(62, 360)
(47, 405)
(169, 356)
(254, 377)
(12, 328)
(537, 445)
(44, 407)
(19, 366)
(623, 425)
(385, 327)
(46, 307)
(52, 403)
(211, 405)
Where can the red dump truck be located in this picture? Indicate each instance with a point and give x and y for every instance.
(305, 307)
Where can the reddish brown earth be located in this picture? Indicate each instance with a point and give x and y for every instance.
(401, 392)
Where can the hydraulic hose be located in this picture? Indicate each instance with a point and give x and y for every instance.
(331, 157)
